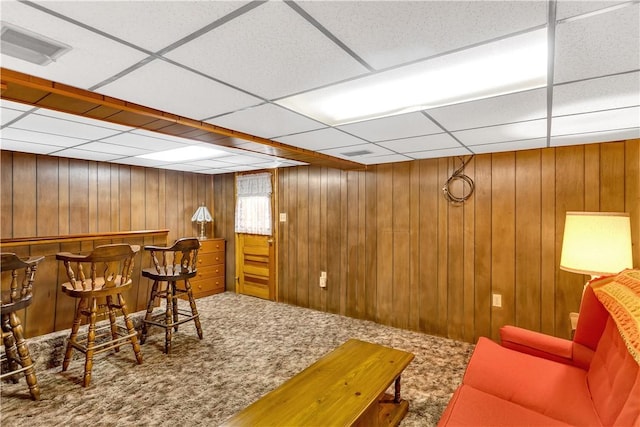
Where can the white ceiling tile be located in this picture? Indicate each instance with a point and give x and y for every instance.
(598, 45)
(80, 119)
(138, 161)
(142, 142)
(502, 133)
(510, 146)
(14, 105)
(242, 168)
(75, 153)
(594, 137)
(166, 87)
(26, 147)
(267, 121)
(165, 137)
(597, 94)
(421, 143)
(214, 171)
(92, 58)
(378, 160)
(40, 138)
(570, 8)
(321, 139)
(180, 167)
(447, 152)
(385, 34)
(515, 107)
(595, 122)
(151, 28)
(120, 150)
(244, 159)
(359, 153)
(46, 124)
(393, 127)
(275, 52)
(212, 164)
(9, 114)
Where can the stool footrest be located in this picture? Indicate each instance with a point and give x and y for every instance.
(188, 316)
(123, 336)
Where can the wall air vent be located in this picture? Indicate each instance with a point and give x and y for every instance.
(29, 46)
(357, 153)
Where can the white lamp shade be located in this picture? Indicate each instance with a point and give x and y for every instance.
(202, 215)
(596, 243)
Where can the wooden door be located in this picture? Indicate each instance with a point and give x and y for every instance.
(255, 266)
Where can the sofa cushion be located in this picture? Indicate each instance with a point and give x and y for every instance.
(613, 378)
(553, 389)
(471, 407)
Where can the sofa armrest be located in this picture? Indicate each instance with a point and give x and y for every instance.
(537, 344)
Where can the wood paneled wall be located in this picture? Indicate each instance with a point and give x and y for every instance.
(396, 252)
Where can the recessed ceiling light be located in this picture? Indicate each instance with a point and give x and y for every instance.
(505, 66)
(29, 46)
(192, 152)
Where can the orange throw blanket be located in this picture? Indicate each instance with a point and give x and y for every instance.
(620, 295)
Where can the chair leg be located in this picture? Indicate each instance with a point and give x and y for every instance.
(194, 310)
(130, 329)
(25, 357)
(91, 339)
(168, 316)
(74, 333)
(175, 306)
(112, 320)
(152, 298)
(11, 350)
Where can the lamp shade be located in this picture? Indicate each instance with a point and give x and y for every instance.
(596, 243)
(202, 215)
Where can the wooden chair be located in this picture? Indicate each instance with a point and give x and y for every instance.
(95, 280)
(179, 263)
(13, 299)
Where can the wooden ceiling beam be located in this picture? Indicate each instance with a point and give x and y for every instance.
(27, 89)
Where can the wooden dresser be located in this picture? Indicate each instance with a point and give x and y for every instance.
(210, 278)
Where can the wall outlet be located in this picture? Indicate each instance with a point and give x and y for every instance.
(283, 217)
(323, 279)
(496, 300)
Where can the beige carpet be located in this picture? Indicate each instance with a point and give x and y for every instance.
(250, 346)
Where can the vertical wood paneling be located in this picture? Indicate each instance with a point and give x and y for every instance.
(428, 232)
(528, 244)
(394, 249)
(482, 247)
(47, 196)
(24, 195)
(6, 193)
(503, 239)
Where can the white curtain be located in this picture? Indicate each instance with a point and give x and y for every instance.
(253, 204)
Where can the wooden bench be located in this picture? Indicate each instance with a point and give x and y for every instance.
(344, 388)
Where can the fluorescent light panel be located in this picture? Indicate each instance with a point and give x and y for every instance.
(506, 66)
(192, 152)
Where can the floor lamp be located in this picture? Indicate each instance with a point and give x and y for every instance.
(597, 244)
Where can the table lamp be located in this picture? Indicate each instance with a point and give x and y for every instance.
(202, 216)
(596, 243)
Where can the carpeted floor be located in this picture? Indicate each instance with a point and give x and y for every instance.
(250, 347)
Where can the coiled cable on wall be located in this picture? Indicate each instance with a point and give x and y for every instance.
(459, 175)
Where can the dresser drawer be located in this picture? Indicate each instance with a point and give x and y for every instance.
(210, 258)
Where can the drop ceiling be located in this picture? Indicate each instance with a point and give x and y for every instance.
(220, 68)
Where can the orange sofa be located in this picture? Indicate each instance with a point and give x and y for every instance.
(537, 379)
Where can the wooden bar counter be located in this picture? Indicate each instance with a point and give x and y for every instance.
(51, 310)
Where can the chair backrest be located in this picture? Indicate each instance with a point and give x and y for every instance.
(107, 266)
(179, 258)
(19, 274)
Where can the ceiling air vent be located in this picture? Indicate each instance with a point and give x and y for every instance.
(29, 46)
(357, 153)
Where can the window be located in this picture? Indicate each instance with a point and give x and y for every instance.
(253, 204)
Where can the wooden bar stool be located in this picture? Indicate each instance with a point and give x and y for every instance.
(179, 263)
(13, 299)
(95, 280)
